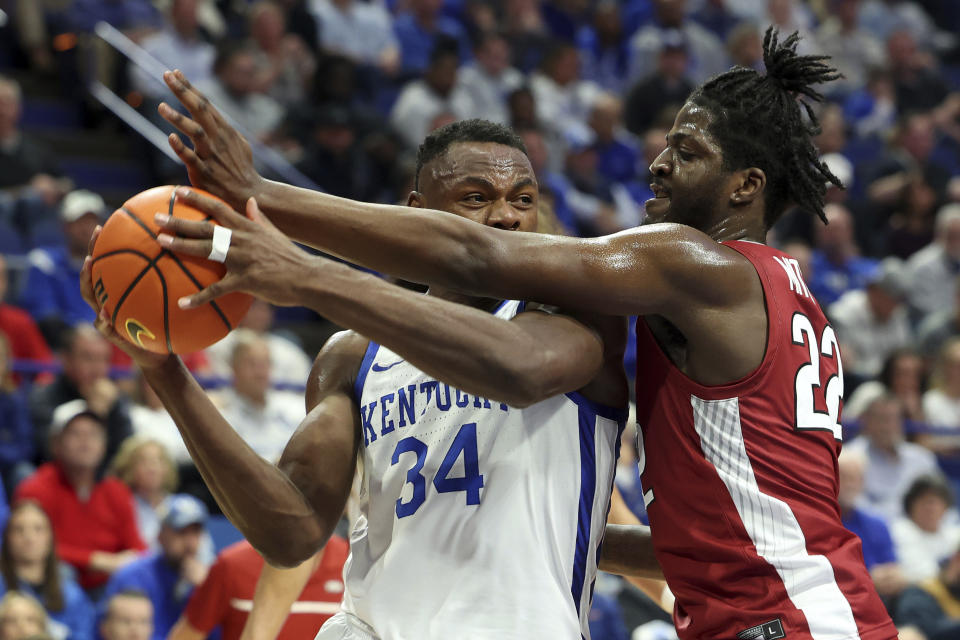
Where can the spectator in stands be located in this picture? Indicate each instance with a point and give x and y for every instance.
(934, 269)
(707, 56)
(903, 375)
(716, 16)
(853, 50)
(916, 80)
(910, 227)
(941, 403)
(23, 337)
(29, 564)
(284, 63)
(361, 31)
(883, 17)
(148, 471)
(180, 45)
(911, 151)
(926, 535)
(878, 550)
(892, 462)
(485, 82)
(247, 598)
(168, 575)
(872, 323)
(233, 90)
(86, 365)
(745, 46)
(665, 86)
(605, 48)
(933, 606)
(836, 263)
(151, 421)
(617, 153)
(16, 432)
(50, 292)
(940, 326)
(421, 29)
(563, 100)
(263, 417)
(128, 616)
(334, 156)
(28, 171)
(421, 101)
(21, 617)
(93, 519)
(289, 365)
(872, 110)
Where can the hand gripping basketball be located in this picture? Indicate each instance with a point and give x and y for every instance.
(260, 260)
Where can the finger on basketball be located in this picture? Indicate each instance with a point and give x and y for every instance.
(185, 228)
(214, 291)
(93, 239)
(86, 285)
(186, 246)
(216, 209)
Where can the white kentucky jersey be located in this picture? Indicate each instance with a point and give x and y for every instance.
(478, 520)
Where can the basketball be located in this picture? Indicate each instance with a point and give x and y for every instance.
(138, 282)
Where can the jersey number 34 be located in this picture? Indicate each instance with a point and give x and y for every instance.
(470, 482)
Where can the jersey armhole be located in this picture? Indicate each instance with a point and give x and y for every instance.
(365, 365)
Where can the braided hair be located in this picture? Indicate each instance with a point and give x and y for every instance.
(758, 122)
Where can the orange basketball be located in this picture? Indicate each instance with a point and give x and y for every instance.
(138, 282)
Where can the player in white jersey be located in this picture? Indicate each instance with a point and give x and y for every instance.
(488, 431)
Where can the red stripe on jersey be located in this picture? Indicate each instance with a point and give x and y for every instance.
(743, 479)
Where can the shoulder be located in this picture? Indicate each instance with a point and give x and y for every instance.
(338, 363)
(925, 258)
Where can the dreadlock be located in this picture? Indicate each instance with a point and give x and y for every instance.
(758, 122)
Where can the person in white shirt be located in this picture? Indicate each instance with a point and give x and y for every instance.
(263, 417)
(941, 403)
(178, 46)
(488, 79)
(892, 463)
(933, 270)
(563, 100)
(873, 322)
(361, 31)
(929, 533)
(422, 101)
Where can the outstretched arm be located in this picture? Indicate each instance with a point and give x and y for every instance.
(533, 357)
(287, 511)
(654, 269)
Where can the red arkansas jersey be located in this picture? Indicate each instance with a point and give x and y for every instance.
(740, 482)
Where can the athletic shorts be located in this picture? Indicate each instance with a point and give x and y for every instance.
(344, 626)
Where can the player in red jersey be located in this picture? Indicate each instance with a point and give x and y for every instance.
(740, 383)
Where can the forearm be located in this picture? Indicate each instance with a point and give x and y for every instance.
(628, 551)
(471, 349)
(258, 497)
(277, 590)
(382, 237)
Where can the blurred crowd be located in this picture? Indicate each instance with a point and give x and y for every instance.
(344, 91)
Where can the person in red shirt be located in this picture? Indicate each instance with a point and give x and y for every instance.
(25, 338)
(93, 518)
(232, 597)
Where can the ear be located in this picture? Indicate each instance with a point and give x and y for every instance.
(415, 199)
(752, 182)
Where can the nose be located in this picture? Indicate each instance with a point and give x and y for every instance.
(503, 216)
(661, 164)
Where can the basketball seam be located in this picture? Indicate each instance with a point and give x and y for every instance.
(176, 259)
(123, 298)
(166, 308)
(119, 251)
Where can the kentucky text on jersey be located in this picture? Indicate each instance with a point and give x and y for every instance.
(400, 408)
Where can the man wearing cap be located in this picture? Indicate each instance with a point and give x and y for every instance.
(50, 294)
(167, 577)
(92, 517)
(872, 323)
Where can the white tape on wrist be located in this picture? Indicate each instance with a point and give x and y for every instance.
(221, 244)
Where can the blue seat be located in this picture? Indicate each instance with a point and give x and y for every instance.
(223, 532)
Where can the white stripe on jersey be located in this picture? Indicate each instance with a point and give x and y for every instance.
(300, 606)
(808, 579)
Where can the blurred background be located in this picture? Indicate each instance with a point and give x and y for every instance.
(336, 95)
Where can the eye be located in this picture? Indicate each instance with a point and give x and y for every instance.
(685, 155)
(525, 199)
(474, 198)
